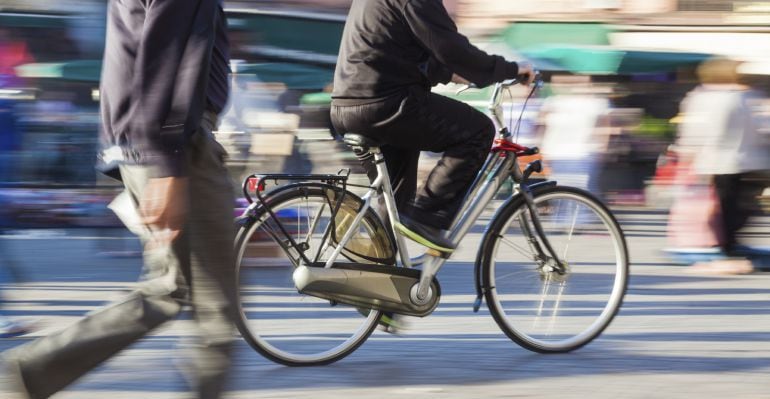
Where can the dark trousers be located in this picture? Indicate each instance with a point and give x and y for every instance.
(198, 268)
(423, 121)
(739, 198)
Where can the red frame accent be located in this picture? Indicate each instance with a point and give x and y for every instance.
(507, 146)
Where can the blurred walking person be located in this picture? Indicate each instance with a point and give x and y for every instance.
(9, 273)
(164, 82)
(575, 134)
(722, 149)
(12, 54)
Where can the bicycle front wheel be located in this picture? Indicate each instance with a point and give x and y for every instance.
(540, 306)
(276, 320)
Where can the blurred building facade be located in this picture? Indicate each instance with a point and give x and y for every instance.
(289, 57)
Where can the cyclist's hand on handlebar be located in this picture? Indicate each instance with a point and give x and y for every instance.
(527, 73)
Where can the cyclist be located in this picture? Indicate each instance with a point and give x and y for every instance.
(392, 52)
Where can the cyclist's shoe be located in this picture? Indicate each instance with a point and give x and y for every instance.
(430, 237)
(392, 323)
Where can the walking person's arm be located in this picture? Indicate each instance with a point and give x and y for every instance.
(168, 89)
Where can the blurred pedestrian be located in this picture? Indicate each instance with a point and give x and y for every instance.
(9, 272)
(721, 147)
(164, 82)
(12, 54)
(575, 136)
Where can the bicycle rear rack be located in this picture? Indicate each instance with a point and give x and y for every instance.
(256, 183)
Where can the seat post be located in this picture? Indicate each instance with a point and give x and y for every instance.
(382, 184)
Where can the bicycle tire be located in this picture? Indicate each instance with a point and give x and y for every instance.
(266, 293)
(514, 303)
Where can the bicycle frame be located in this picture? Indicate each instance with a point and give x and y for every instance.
(500, 164)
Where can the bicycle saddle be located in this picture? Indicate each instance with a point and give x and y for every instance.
(358, 141)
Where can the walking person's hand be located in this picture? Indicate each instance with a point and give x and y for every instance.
(164, 207)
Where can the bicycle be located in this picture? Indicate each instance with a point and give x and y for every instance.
(291, 238)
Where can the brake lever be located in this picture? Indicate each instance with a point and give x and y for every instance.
(538, 80)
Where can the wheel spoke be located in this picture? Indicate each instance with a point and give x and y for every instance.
(571, 231)
(526, 252)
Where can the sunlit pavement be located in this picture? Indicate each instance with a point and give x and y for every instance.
(678, 335)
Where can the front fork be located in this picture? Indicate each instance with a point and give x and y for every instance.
(534, 239)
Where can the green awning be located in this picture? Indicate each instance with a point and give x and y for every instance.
(295, 36)
(584, 48)
(606, 60)
(33, 20)
(321, 98)
(83, 70)
(522, 35)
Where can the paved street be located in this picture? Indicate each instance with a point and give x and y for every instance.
(677, 336)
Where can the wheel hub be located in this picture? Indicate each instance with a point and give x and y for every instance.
(551, 270)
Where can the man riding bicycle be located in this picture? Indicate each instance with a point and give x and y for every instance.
(392, 53)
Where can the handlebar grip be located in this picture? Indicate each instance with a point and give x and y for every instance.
(536, 78)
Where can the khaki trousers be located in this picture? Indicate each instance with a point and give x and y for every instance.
(198, 268)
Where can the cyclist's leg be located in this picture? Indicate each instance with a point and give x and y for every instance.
(402, 169)
(464, 135)
(424, 121)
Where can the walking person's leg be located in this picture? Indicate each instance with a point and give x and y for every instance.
(9, 273)
(738, 196)
(211, 236)
(726, 187)
(51, 363)
(739, 199)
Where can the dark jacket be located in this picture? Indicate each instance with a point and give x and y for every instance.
(154, 79)
(390, 45)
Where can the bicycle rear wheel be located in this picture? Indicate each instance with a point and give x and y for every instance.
(276, 320)
(541, 309)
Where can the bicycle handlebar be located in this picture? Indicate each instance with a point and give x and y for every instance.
(496, 100)
(538, 81)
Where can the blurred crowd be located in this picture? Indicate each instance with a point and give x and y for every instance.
(662, 129)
